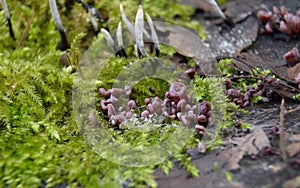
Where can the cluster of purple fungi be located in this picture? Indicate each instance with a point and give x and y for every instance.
(280, 20)
(244, 99)
(176, 105)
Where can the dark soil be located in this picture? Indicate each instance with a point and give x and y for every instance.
(268, 168)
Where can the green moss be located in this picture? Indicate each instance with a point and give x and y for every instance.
(40, 142)
(221, 2)
(213, 90)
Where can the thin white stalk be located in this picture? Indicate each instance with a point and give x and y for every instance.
(138, 30)
(4, 5)
(93, 21)
(153, 33)
(119, 36)
(147, 35)
(217, 9)
(126, 21)
(56, 16)
(108, 38)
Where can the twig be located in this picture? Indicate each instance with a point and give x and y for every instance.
(282, 133)
(26, 31)
(291, 111)
(250, 77)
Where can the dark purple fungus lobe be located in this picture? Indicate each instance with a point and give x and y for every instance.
(131, 104)
(264, 16)
(145, 114)
(110, 110)
(292, 56)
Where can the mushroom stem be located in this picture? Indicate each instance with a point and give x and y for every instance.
(153, 35)
(108, 38)
(93, 22)
(7, 15)
(64, 45)
(126, 21)
(139, 28)
(121, 51)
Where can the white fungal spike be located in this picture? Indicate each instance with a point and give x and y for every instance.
(93, 21)
(138, 30)
(4, 5)
(216, 9)
(153, 32)
(126, 21)
(58, 23)
(56, 16)
(119, 36)
(147, 35)
(108, 38)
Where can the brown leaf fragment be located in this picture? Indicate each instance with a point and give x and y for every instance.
(252, 60)
(292, 183)
(234, 41)
(294, 138)
(217, 44)
(293, 149)
(187, 44)
(239, 10)
(293, 71)
(251, 144)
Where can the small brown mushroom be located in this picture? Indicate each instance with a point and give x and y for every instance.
(264, 16)
(268, 28)
(202, 119)
(110, 110)
(284, 28)
(145, 114)
(181, 105)
(131, 104)
(116, 92)
(292, 56)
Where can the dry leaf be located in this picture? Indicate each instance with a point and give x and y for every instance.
(292, 183)
(232, 42)
(293, 71)
(294, 138)
(188, 44)
(251, 144)
(293, 149)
